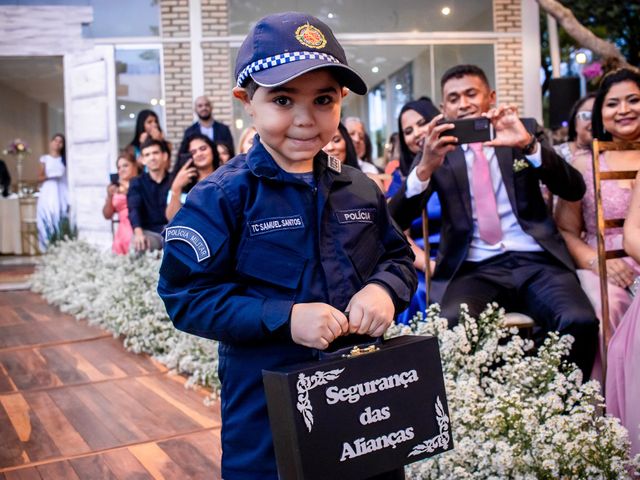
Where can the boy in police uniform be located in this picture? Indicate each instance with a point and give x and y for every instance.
(271, 250)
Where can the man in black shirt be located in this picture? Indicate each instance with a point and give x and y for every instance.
(147, 196)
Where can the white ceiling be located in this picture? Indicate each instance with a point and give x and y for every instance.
(40, 78)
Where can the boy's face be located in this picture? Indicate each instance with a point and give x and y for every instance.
(297, 119)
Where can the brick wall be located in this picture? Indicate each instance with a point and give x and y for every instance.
(177, 64)
(177, 68)
(218, 80)
(507, 18)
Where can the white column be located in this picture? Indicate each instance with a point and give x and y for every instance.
(197, 64)
(532, 93)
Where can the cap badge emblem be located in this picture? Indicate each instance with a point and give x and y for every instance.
(310, 36)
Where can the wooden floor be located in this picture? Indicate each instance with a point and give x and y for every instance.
(75, 405)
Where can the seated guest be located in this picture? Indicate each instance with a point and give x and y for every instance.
(206, 125)
(116, 202)
(147, 126)
(147, 196)
(498, 242)
(412, 122)
(341, 147)
(623, 382)
(246, 139)
(358, 135)
(579, 136)
(204, 160)
(414, 115)
(613, 119)
(223, 152)
(5, 179)
(391, 158)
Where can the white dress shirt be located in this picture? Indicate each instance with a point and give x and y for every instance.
(513, 237)
(207, 131)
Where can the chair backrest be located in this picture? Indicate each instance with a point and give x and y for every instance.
(603, 224)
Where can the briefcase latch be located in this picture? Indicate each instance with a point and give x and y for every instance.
(357, 351)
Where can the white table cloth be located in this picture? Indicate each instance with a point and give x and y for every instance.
(10, 239)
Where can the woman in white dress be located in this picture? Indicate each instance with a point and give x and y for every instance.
(52, 199)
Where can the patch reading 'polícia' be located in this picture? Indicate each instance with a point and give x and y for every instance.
(190, 236)
(358, 215)
(275, 224)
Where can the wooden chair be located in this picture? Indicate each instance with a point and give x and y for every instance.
(601, 225)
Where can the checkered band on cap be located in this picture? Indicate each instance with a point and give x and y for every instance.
(281, 59)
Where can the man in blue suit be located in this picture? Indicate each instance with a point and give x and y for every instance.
(216, 131)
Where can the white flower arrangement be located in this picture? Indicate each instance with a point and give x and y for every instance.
(514, 414)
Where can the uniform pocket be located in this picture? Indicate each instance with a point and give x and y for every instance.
(271, 263)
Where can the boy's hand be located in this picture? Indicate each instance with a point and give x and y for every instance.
(370, 311)
(316, 325)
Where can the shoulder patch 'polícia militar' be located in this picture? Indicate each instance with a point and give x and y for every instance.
(190, 236)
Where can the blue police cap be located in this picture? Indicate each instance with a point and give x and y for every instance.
(283, 46)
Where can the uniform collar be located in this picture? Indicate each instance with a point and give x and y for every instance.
(262, 164)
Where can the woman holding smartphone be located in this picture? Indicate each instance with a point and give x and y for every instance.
(116, 202)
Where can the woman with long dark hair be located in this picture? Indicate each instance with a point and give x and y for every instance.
(204, 160)
(412, 121)
(147, 125)
(341, 146)
(53, 194)
(579, 137)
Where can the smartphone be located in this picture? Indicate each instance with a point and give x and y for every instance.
(470, 130)
(114, 179)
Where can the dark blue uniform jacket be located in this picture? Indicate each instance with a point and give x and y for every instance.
(252, 240)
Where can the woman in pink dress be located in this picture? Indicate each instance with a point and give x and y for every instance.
(623, 380)
(116, 202)
(622, 107)
(613, 119)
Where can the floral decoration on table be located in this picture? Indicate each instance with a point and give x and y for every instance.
(513, 414)
(20, 149)
(17, 147)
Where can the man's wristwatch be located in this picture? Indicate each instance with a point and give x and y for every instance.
(530, 147)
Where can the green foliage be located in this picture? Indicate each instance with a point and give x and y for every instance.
(617, 22)
(64, 230)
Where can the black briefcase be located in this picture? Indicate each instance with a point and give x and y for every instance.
(355, 416)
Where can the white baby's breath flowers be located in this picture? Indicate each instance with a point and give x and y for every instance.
(514, 415)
